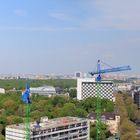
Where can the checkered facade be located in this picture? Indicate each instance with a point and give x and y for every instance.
(103, 89)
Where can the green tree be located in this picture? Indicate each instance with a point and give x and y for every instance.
(69, 109)
(109, 106)
(81, 112)
(92, 131)
(129, 136)
(72, 93)
(2, 137)
(17, 120)
(124, 106)
(35, 115)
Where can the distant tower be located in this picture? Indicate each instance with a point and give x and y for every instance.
(78, 74)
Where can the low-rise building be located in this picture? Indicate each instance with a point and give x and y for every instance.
(124, 86)
(65, 128)
(2, 91)
(112, 120)
(44, 91)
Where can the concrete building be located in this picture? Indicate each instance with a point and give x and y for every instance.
(65, 128)
(78, 74)
(137, 98)
(87, 87)
(112, 120)
(2, 91)
(124, 86)
(44, 91)
(135, 93)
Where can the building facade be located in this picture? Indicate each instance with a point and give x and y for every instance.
(88, 87)
(65, 128)
(2, 91)
(112, 120)
(137, 98)
(44, 91)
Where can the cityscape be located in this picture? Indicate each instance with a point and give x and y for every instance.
(69, 70)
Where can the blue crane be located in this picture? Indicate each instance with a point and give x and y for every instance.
(101, 71)
(98, 94)
(26, 95)
(26, 99)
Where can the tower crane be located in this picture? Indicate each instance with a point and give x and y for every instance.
(102, 71)
(99, 72)
(26, 99)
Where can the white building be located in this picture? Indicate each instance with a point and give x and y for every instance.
(124, 86)
(111, 119)
(2, 91)
(44, 90)
(65, 128)
(88, 87)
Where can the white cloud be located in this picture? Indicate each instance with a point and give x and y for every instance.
(116, 14)
(20, 12)
(37, 29)
(60, 15)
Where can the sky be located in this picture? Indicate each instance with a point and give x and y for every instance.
(64, 36)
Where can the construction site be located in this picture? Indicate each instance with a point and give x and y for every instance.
(67, 128)
(54, 129)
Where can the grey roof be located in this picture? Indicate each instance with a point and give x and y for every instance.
(105, 115)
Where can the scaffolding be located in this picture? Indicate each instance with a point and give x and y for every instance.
(27, 121)
(98, 112)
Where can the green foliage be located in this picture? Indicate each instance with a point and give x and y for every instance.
(2, 137)
(104, 132)
(129, 136)
(17, 120)
(72, 93)
(127, 111)
(12, 109)
(92, 131)
(20, 84)
(69, 109)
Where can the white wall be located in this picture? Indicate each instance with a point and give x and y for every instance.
(2, 90)
(79, 86)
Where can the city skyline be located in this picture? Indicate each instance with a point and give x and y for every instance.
(68, 36)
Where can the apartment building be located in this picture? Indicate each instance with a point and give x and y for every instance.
(65, 128)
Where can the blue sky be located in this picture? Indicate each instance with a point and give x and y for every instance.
(64, 36)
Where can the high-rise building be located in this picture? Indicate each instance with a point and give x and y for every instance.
(137, 98)
(65, 128)
(87, 87)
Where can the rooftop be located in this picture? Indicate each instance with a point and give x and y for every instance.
(47, 124)
(43, 88)
(105, 115)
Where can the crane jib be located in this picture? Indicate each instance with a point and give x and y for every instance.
(113, 70)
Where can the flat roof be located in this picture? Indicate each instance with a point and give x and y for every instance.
(50, 123)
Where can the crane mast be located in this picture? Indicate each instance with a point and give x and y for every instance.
(98, 95)
(26, 99)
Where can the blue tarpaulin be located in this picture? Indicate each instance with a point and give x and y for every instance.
(26, 95)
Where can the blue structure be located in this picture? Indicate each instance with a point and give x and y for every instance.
(98, 93)
(26, 95)
(26, 99)
(99, 71)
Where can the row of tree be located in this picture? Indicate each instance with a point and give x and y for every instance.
(125, 109)
(20, 84)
